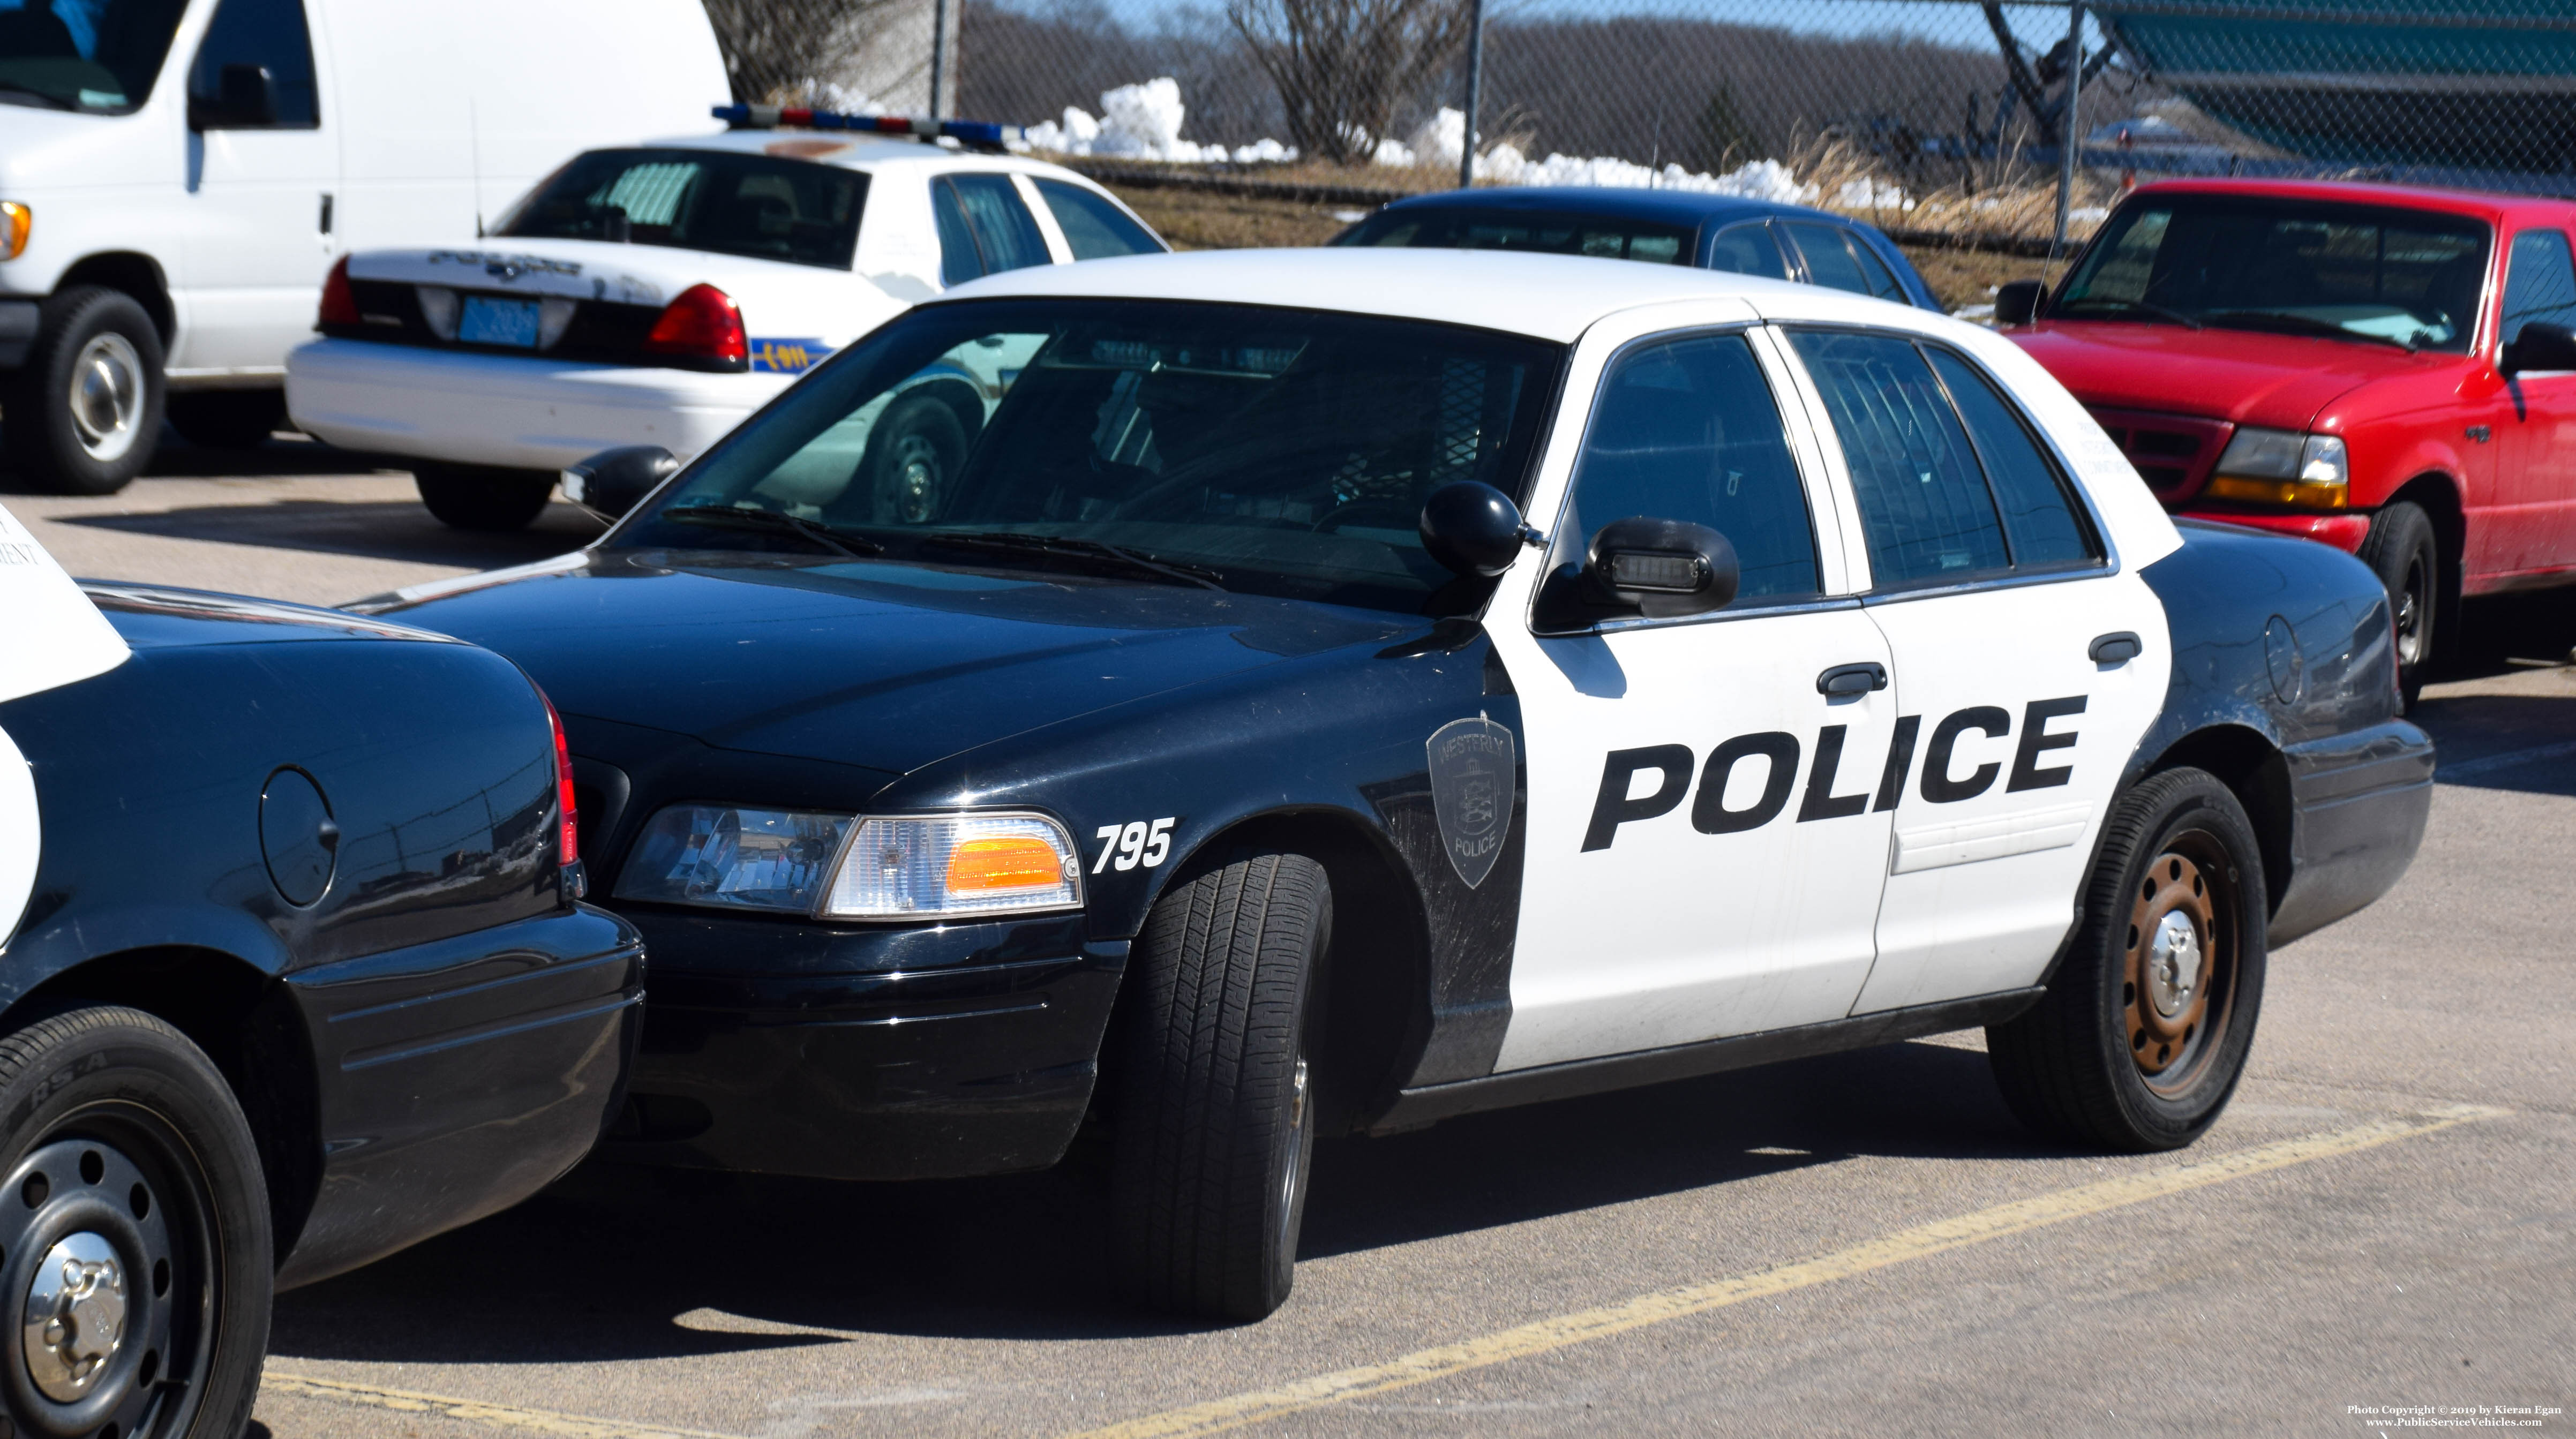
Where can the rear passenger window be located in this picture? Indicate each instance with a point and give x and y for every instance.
(1094, 228)
(1748, 250)
(1829, 261)
(1006, 238)
(271, 35)
(1686, 430)
(1924, 506)
(1882, 281)
(2040, 521)
(959, 260)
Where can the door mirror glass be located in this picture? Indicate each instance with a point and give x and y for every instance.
(1661, 569)
(2017, 303)
(1471, 528)
(610, 483)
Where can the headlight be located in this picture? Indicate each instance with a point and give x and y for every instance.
(2280, 467)
(838, 866)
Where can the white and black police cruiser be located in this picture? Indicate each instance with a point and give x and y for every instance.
(1345, 689)
(657, 293)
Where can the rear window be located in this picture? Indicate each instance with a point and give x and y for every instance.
(1460, 229)
(751, 205)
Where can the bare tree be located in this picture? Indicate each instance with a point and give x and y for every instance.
(771, 47)
(1343, 66)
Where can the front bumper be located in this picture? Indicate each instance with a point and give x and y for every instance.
(788, 1047)
(458, 1077)
(2343, 531)
(532, 413)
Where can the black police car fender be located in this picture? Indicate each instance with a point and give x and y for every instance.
(422, 1026)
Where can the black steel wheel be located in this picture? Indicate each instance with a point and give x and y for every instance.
(918, 448)
(1213, 1120)
(2401, 549)
(2143, 1033)
(83, 412)
(483, 497)
(134, 1240)
(227, 419)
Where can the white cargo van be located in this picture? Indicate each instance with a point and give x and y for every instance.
(176, 176)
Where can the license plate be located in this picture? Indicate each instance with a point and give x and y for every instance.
(498, 322)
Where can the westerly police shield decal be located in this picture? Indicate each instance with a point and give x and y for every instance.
(1471, 793)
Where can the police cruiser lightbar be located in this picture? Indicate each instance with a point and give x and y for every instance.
(980, 134)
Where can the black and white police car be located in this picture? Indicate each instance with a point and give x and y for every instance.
(658, 293)
(293, 973)
(1349, 688)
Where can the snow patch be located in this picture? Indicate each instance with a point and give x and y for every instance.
(1139, 122)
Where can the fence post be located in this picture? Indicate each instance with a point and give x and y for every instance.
(1475, 92)
(939, 57)
(2074, 134)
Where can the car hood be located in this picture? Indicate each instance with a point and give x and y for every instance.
(874, 663)
(2251, 378)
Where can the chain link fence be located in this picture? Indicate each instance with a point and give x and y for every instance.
(1938, 116)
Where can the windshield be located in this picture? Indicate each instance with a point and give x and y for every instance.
(1462, 229)
(1270, 451)
(752, 205)
(94, 55)
(2352, 272)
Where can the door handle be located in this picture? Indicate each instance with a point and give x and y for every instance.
(1843, 681)
(2116, 648)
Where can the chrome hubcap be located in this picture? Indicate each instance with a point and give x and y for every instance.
(76, 1310)
(1294, 1171)
(106, 396)
(2173, 964)
(916, 481)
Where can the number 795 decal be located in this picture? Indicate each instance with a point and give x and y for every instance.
(1135, 843)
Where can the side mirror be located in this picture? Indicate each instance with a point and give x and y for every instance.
(2017, 303)
(1663, 569)
(610, 483)
(1472, 528)
(245, 98)
(2540, 346)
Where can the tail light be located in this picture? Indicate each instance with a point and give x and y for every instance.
(703, 329)
(575, 882)
(339, 303)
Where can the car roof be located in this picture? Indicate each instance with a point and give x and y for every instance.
(1682, 207)
(2357, 192)
(1551, 297)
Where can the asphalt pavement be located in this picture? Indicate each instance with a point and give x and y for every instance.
(2379, 1235)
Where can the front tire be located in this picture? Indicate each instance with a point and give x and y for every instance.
(2145, 1027)
(2403, 551)
(84, 411)
(1213, 1122)
(484, 498)
(135, 1227)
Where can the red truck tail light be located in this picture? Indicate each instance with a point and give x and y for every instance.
(702, 326)
(339, 302)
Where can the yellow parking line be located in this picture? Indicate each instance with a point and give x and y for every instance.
(1259, 1405)
(471, 1411)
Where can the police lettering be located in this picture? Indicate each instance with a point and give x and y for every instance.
(1778, 752)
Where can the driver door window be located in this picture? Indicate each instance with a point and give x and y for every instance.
(2537, 470)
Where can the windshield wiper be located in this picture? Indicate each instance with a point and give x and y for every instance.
(2287, 323)
(855, 546)
(2140, 306)
(1096, 551)
(50, 98)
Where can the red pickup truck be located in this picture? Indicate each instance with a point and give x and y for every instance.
(2388, 370)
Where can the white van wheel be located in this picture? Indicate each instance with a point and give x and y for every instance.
(85, 414)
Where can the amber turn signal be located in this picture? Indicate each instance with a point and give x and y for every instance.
(997, 862)
(15, 221)
(2299, 494)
